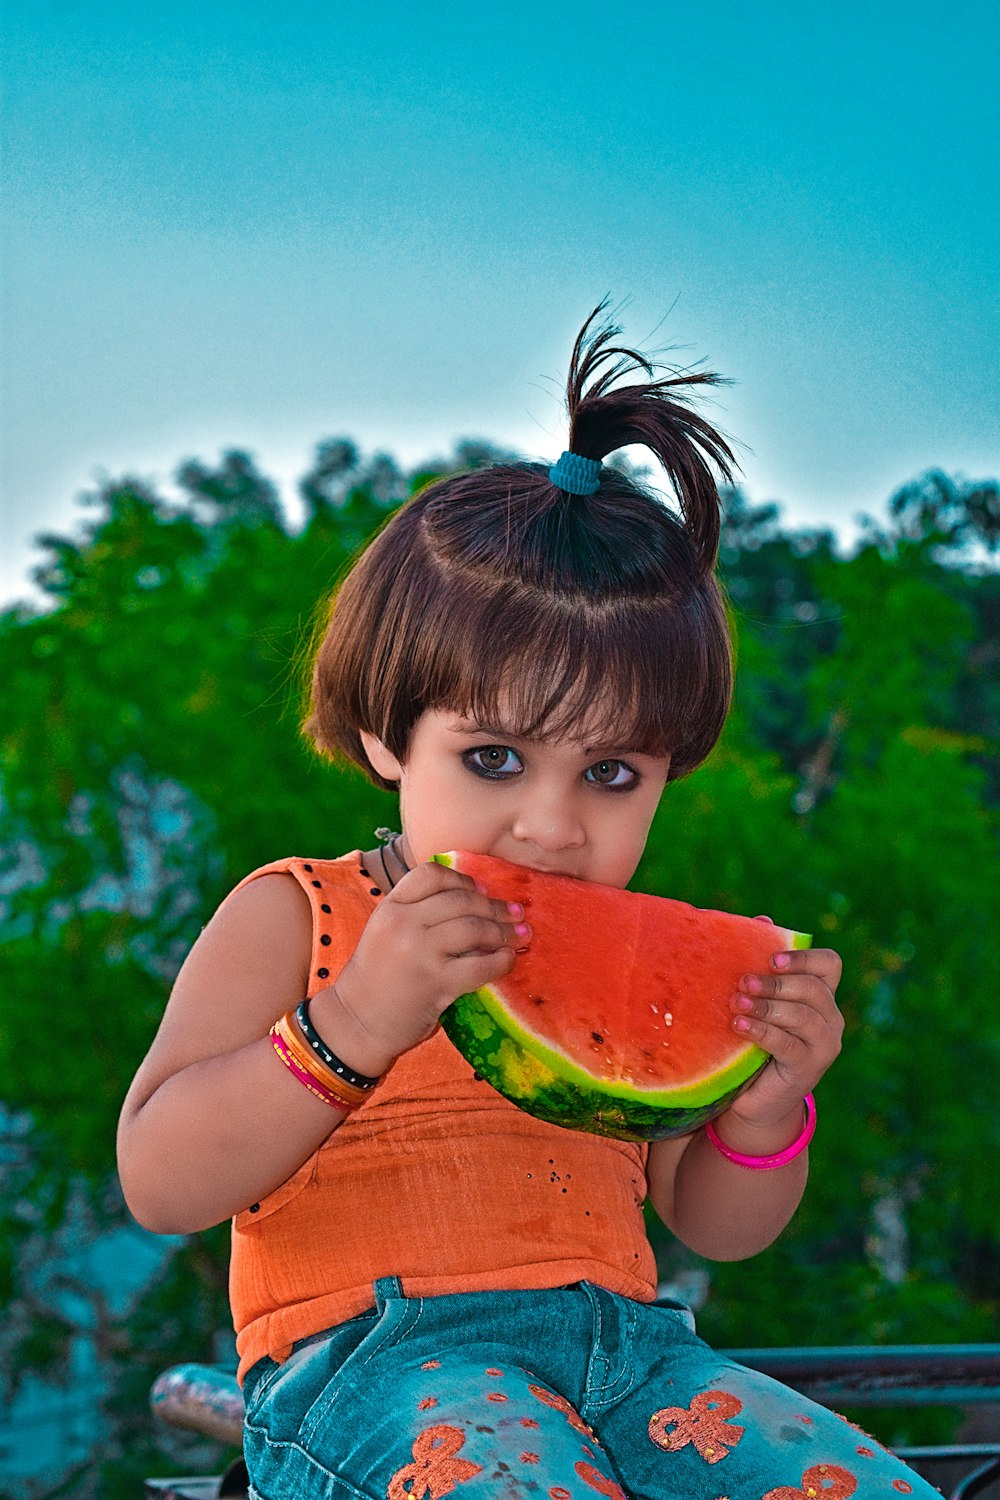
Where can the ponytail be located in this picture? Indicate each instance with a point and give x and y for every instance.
(657, 414)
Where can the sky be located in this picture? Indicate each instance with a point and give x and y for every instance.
(260, 225)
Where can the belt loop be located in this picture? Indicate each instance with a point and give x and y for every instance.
(385, 1288)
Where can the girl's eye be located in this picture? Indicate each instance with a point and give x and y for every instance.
(613, 773)
(501, 763)
(492, 760)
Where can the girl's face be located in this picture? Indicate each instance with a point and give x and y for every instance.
(571, 807)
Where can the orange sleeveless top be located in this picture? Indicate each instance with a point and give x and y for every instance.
(436, 1179)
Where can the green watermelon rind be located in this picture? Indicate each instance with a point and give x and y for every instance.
(571, 1098)
(550, 1086)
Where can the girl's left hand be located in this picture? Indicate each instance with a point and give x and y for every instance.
(790, 1012)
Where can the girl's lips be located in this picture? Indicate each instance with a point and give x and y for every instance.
(544, 869)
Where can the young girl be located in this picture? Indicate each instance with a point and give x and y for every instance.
(434, 1292)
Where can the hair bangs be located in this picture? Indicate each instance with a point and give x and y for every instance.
(634, 674)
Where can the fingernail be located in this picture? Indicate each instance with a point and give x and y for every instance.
(751, 983)
(515, 908)
(522, 929)
(780, 960)
(742, 1002)
(741, 1024)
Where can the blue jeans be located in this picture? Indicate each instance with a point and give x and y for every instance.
(548, 1394)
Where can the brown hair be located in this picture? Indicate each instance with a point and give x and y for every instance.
(495, 584)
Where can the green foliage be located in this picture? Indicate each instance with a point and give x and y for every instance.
(152, 757)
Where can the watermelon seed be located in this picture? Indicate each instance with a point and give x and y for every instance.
(655, 1010)
(668, 1019)
(597, 1037)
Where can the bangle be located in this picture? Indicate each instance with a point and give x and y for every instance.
(307, 1060)
(301, 1061)
(780, 1158)
(304, 1078)
(332, 1061)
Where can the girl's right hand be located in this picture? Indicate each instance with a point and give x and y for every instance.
(435, 936)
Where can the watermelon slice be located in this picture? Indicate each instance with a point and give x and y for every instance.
(616, 1019)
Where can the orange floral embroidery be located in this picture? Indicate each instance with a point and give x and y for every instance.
(865, 1452)
(599, 1481)
(496, 1396)
(530, 1458)
(902, 1486)
(703, 1424)
(431, 1364)
(427, 1403)
(528, 1422)
(561, 1404)
(828, 1481)
(494, 1372)
(435, 1471)
(558, 1493)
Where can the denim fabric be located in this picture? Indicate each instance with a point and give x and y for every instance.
(554, 1394)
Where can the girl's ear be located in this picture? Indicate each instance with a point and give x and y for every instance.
(381, 758)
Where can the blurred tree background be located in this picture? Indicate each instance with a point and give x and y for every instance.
(151, 759)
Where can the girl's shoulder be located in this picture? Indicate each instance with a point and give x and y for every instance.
(344, 872)
(317, 906)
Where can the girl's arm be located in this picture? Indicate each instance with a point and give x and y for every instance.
(213, 1121)
(720, 1210)
(728, 1212)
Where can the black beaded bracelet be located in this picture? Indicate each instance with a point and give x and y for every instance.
(316, 1042)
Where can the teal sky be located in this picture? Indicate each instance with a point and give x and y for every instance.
(263, 224)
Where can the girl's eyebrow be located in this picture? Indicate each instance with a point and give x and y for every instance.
(474, 727)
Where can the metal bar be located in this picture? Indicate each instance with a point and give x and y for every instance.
(888, 1375)
(977, 1481)
(947, 1451)
(201, 1398)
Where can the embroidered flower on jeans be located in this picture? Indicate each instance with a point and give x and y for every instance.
(821, 1482)
(702, 1423)
(599, 1481)
(435, 1471)
(561, 1404)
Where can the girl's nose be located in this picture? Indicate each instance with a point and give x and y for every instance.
(548, 824)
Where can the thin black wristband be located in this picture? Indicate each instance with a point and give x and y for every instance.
(316, 1042)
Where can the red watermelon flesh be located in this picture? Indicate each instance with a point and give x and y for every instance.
(616, 1019)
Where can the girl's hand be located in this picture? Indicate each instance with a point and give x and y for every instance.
(790, 1012)
(433, 937)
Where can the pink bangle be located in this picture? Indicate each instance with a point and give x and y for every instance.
(312, 1084)
(780, 1158)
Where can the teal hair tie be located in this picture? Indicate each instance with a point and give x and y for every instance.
(576, 475)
